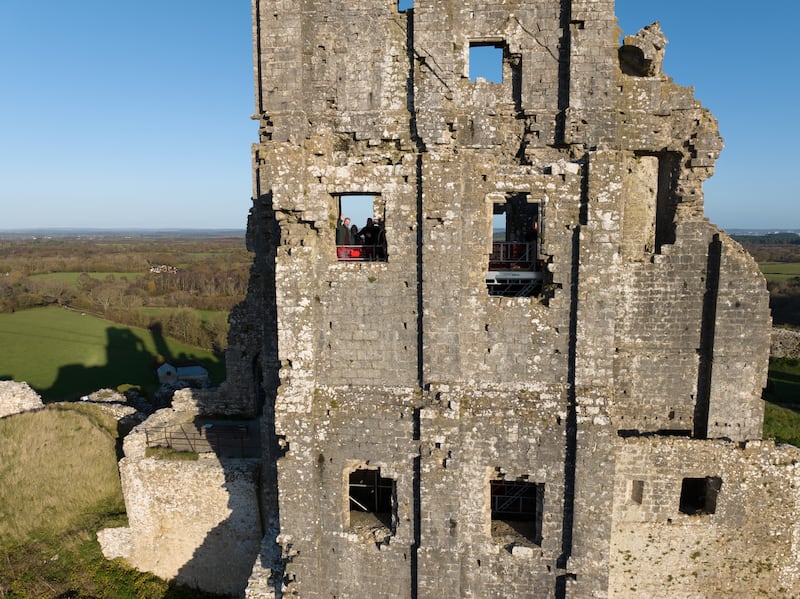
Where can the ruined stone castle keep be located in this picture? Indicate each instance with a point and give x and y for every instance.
(543, 377)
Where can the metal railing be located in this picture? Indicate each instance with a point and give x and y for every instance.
(513, 498)
(361, 253)
(225, 440)
(514, 270)
(513, 256)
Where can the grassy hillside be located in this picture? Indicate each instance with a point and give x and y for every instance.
(58, 486)
(64, 355)
(56, 466)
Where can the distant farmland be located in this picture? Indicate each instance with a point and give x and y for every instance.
(63, 354)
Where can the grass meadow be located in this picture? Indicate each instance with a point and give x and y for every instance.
(58, 486)
(63, 354)
(56, 466)
(205, 315)
(782, 410)
(780, 271)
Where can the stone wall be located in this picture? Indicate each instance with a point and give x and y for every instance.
(746, 548)
(194, 522)
(18, 397)
(785, 344)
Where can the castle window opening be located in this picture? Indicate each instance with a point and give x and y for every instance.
(404, 5)
(372, 499)
(637, 491)
(361, 228)
(486, 61)
(667, 200)
(517, 508)
(650, 203)
(699, 495)
(515, 268)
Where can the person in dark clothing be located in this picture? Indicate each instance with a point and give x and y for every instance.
(369, 233)
(343, 234)
(380, 252)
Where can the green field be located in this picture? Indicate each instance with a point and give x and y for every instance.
(205, 315)
(55, 465)
(63, 354)
(780, 271)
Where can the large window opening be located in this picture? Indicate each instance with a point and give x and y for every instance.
(699, 495)
(515, 267)
(405, 5)
(649, 204)
(360, 228)
(372, 503)
(486, 62)
(666, 199)
(517, 508)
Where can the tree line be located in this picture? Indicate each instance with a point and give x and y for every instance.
(773, 247)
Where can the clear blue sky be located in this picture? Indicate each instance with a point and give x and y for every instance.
(137, 114)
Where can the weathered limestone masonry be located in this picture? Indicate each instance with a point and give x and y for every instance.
(195, 522)
(785, 344)
(616, 405)
(18, 397)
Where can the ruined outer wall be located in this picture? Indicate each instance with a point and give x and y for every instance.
(785, 343)
(742, 336)
(18, 397)
(688, 291)
(194, 522)
(747, 548)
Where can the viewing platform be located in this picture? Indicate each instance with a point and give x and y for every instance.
(514, 270)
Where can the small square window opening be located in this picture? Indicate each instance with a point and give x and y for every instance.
(699, 495)
(517, 508)
(372, 501)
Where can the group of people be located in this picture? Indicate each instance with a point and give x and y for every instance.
(372, 236)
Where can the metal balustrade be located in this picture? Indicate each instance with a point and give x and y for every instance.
(513, 256)
(514, 270)
(224, 440)
(361, 253)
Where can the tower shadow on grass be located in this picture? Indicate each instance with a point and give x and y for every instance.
(128, 361)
